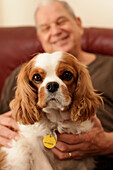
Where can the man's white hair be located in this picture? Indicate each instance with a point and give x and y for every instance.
(64, 3)
(47, 2)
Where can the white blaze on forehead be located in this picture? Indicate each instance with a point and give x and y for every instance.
(48, 62)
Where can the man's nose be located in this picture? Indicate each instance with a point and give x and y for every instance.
(55, 29)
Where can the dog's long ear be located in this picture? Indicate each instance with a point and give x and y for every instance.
(85, 100)
(24, 105)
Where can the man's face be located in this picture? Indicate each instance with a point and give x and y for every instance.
(57, 29)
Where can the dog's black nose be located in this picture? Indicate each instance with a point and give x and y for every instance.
(52, 86)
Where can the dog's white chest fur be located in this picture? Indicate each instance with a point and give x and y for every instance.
(29, 153)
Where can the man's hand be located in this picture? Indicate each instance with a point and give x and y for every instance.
(8, 129)
(93, 143)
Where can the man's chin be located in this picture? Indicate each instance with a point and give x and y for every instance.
(65, 49)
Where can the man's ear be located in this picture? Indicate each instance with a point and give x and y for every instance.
(79, 23)
(38, 36)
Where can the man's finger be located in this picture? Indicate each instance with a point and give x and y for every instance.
(9, 122)
(4, 142)
(60, 155)
(71, 139)
(65, 155)
(7, 133)
(63, 147)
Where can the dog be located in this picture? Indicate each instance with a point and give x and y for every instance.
(54, 93)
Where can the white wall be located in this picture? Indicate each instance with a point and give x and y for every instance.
(98, 13)
(17, 12)
(94, 12)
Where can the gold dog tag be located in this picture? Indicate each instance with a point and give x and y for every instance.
(49, 141)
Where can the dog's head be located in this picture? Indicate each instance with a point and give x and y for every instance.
(54, 81)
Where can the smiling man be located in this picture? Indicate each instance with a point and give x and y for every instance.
(57, 29)
(60, 30)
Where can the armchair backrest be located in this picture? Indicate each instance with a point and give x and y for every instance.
(19, 44)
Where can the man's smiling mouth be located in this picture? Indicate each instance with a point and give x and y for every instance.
(60, 40)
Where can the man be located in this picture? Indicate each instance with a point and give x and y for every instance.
(60, 30)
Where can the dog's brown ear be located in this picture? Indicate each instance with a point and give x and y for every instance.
(3, 160)
(85, 100)
(24, 105)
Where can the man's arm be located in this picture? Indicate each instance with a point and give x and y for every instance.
(8, 126)
(8, 91)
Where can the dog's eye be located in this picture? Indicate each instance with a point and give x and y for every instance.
(37, 78)
(67, 75)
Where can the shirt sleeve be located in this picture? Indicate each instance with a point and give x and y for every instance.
(8, 91)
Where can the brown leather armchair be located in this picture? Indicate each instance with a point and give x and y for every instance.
(19, 44)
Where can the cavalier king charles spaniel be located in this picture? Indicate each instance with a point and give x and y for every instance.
(54, 93)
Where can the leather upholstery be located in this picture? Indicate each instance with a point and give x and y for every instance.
(19, 44)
